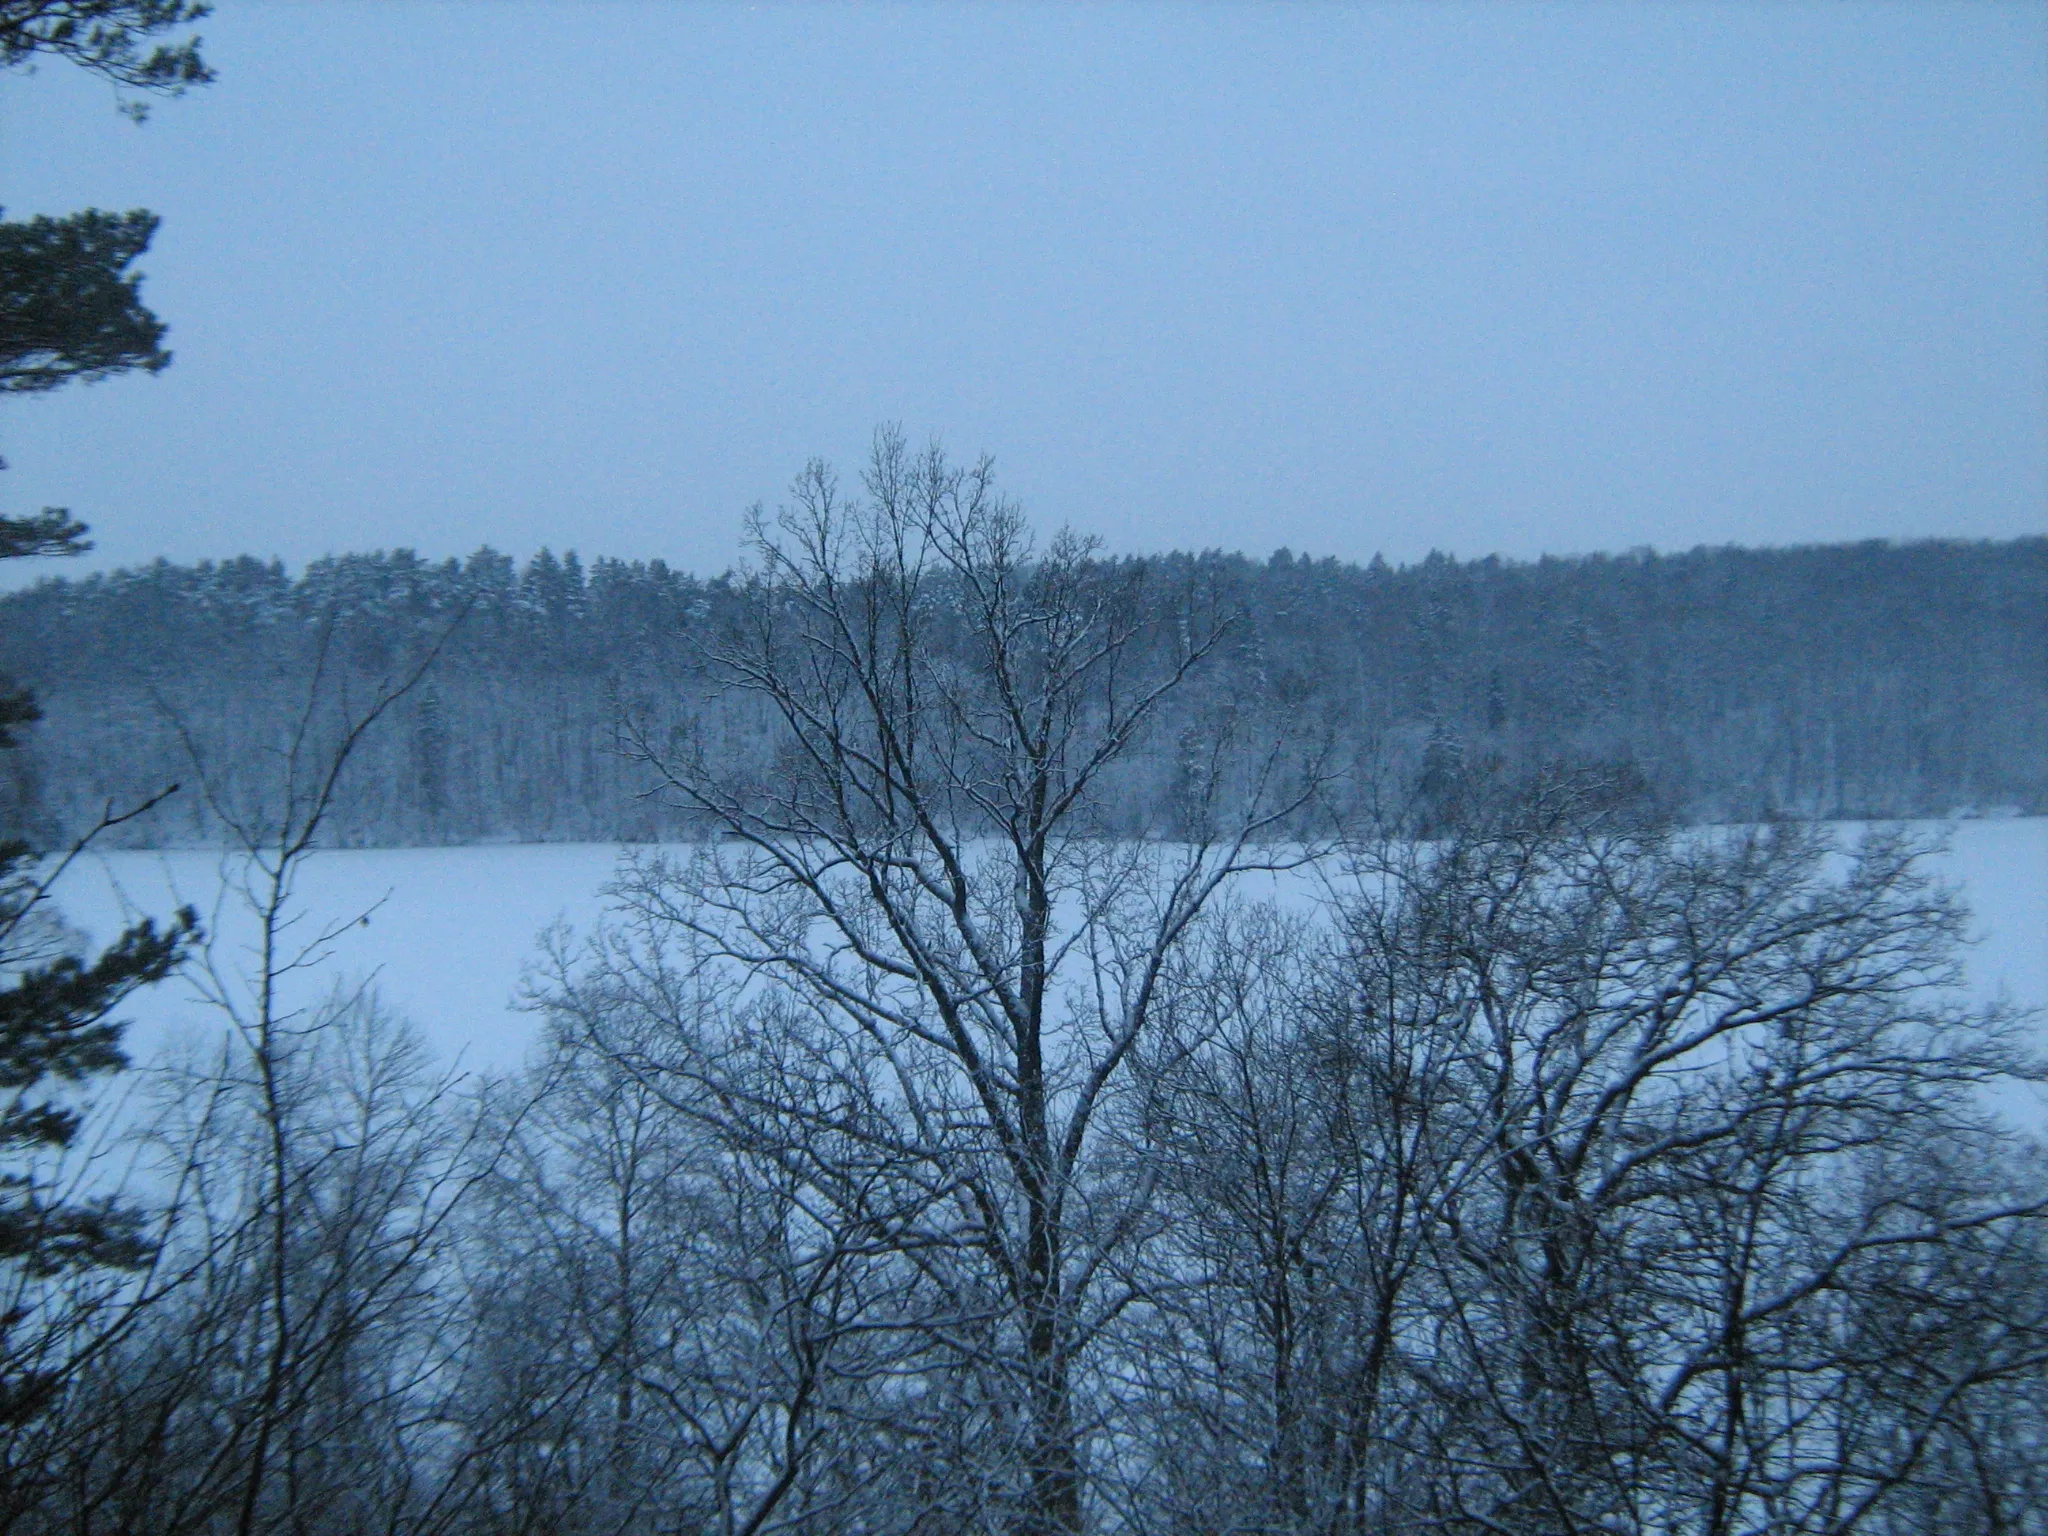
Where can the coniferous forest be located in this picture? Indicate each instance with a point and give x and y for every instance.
(1847, 681)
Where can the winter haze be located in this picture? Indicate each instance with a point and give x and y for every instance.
(1023, 770)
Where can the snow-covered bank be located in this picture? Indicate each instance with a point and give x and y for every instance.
(451, 929)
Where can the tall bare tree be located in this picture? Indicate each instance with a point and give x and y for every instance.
(922, 876)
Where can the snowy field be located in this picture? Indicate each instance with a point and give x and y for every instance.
(451, 931)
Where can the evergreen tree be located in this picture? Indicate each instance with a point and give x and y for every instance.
(69, 310)
(118, 40)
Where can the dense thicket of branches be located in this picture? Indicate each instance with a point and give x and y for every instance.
(1565, 1174)
(1840, 681)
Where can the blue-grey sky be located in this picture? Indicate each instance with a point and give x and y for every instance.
(1478, 277)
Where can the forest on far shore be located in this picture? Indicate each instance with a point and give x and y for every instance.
(1843, 681)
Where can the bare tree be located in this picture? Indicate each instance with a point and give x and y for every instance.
(707, 1325)
(276, 826)
(921, 877)
(299, 1327)
(1305, 1116)
(1598, 1175)
(167, 1435)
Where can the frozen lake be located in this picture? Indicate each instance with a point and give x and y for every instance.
(451, 930)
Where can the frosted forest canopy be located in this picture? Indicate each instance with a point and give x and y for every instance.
(1836, 681)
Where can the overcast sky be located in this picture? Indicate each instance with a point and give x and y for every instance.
(1484, 278)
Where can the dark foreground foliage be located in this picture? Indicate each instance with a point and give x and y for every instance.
(1565, 1174)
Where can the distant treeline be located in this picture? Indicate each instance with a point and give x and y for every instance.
(1846, 681)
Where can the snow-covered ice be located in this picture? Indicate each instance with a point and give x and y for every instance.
(451, 930)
